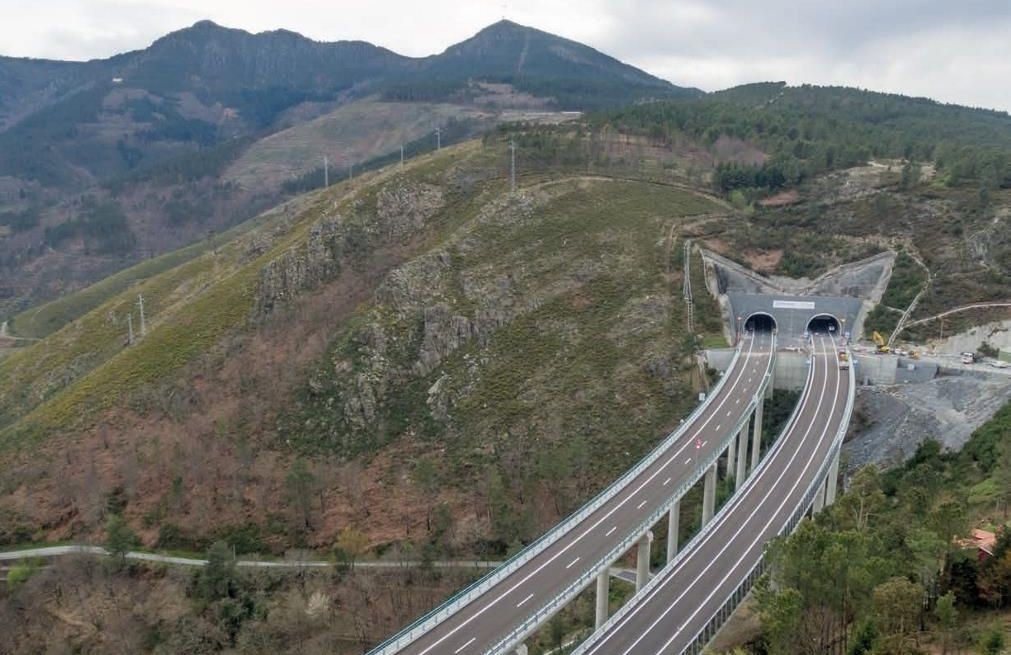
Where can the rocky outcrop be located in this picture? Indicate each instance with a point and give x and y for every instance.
(301, 267)
(402, 209)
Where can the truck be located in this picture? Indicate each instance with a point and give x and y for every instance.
(844, 360)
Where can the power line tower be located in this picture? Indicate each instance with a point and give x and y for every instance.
(326, 172)
(438, 138)
(512, 165)
(143, 323)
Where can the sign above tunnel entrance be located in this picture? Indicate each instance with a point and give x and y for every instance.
(792, 304)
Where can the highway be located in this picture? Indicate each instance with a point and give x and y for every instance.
(672, 611)
(489, 618)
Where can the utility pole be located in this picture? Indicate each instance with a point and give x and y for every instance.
(129, 327)
(438, 139)
(512, 165)
(326, 172)
(143, 323)
(401, 155)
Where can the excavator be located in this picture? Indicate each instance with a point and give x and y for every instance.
(879, 341)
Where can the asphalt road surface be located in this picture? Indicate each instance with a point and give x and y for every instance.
(667, 617)
(489, 618)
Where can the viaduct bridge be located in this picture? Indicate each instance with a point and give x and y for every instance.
(679, 608)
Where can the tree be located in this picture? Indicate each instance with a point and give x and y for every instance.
(947, 617)
(1002, 476)
(993, 641)
(864, 498)
(897, 604)
(353, 544)
(299, 484)
(119, 538)
(426, 477)
(218, 578)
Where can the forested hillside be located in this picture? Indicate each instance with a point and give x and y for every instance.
(808, 130)
(888, 570)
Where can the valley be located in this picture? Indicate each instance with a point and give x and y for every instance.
(215, 349)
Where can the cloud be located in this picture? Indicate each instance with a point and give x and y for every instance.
(955, 52)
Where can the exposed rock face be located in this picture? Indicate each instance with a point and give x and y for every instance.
(444, 332)
(402, 209)
(900, 418)
(302, 267)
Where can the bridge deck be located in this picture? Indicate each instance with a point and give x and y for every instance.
(674, 609)
(485, 621)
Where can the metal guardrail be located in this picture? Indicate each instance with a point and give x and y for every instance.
(726, 609)
(699, 536)
(546, 611)
(439, 614)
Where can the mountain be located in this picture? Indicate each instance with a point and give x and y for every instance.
(574, 75)
(108, 161)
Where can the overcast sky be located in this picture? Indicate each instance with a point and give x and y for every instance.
(951, 50)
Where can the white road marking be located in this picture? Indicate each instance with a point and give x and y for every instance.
(571, 564)
(666, 482)
(610, 532)
(472, 640)
(724, 519)
(586, 532)
(688, 461)
(520, 604)
(639, 506)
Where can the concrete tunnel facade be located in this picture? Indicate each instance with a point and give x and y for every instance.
(792, 316)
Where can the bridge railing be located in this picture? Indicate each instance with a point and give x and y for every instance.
(560, 600)
(454, 603)
(709, 631)
(699, 536)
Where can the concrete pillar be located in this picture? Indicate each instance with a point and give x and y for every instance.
(521, 649)
(603, 587)
(819, 498)
(742, 456)
(833, 477)
(731, 456)
(642, 561)
(709, 495)
(673, 527)
(756, 436)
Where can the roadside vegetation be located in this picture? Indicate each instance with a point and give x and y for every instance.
(885, 570)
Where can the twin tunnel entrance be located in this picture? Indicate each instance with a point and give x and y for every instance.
(817, 324)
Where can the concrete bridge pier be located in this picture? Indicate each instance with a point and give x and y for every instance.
(673, 527)
(709, 495)
(603, 591)
(819, 499)
(742, 457)
(731, 455)
(642, 560)
(833, 477)
(756, 435)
